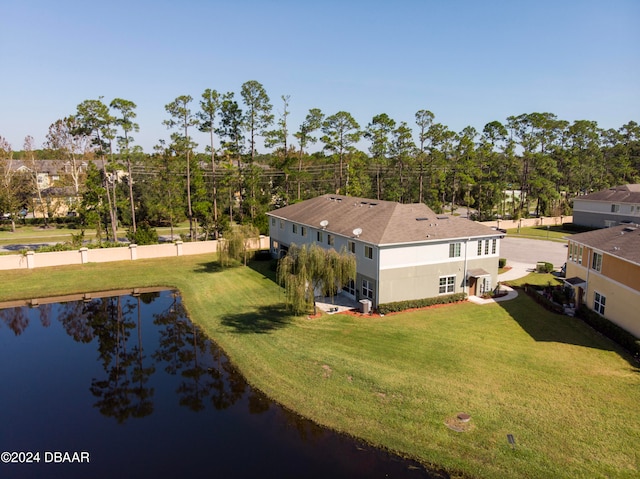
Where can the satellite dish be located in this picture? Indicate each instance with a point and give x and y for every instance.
(357, 232)
(324, 224)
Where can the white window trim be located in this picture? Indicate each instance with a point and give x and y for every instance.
(449, 284)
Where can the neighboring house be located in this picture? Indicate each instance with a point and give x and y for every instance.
(607, 208)
(603, 268)
(403, 251)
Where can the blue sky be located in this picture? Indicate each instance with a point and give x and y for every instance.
(469, 62)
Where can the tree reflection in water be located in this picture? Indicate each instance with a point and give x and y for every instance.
(122, 393)
(205, 370)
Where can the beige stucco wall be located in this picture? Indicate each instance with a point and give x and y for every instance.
(621, 305)
(417, 282)
(544, 221)
(125, 253)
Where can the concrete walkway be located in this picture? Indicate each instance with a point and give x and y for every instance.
(511, 294)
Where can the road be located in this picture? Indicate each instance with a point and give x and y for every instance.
(530, 251)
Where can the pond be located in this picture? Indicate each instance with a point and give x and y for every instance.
(126, 386)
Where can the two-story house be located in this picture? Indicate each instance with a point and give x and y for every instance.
(610, 207)
(603, 268)
(403, 251)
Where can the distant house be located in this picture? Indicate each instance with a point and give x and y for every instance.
(403, 251)
(603, 268)
(609, 207)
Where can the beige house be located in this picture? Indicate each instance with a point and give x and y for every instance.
(403, 251)
(603, 268)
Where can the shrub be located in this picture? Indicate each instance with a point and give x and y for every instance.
(544, 267)
(611, 330)
(502, 262)
(420, 303)
(144, 234)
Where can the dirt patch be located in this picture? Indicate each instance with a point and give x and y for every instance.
(460, 423)
(326, 371)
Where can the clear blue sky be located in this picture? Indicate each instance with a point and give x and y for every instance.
(469, 62)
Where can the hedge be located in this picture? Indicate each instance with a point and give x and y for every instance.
(396, 306)
(611, 330)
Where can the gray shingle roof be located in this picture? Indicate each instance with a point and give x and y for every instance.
(618, 194)
(382, 222)
(622, 241)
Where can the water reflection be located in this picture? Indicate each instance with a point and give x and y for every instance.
(156, 380)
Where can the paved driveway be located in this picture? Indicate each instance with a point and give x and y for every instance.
(530, 251)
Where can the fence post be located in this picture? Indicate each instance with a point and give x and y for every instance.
(31, 260)
(83, 255)
(179, 248)
(134, 252)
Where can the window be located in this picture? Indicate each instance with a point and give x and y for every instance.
(352, 247)
(494, 244)
(596, 262)
(486, 247)
(281, 224)
(479, 247)
(367, 289)
(598, 303)
(330, 240)
(368, 252)
(615, 208)
(447, 284)
(454, 250)
(350, 287)
(303, 231)
(319, 236)
(580, 255)
(294, 228)
(273, 221)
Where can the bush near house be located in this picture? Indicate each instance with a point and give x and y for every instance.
(543, 295)
(502, 262)
(544, 267)
(419, 303)
(611, 330)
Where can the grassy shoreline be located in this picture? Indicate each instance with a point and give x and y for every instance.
(567, 395)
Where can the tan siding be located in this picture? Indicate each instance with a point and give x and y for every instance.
(621, 303)
(621, 271)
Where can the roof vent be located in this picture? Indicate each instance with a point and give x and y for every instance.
(423, 218)
(442, 217)
(629, 229)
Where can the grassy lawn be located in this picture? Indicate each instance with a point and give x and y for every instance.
(60, 234)
(536, 279)
(566, 394)
(553, 233)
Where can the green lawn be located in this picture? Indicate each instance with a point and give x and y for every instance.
(566, 394)
(60, 233)
(553, 233)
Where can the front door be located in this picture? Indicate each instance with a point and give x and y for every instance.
(473, 284)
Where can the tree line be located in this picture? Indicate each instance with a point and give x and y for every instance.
(542, 160)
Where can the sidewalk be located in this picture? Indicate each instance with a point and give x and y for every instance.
(511, 294)
(517, 271)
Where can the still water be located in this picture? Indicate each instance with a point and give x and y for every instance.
(127, 386)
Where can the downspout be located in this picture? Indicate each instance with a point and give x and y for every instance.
(586, 290)
(464, 284)
(377, 297)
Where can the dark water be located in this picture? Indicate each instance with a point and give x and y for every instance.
(131, 385)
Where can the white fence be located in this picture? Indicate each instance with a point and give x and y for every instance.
(30, 259)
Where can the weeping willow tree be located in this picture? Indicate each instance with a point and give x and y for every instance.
(236, 244)
(308, 268)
